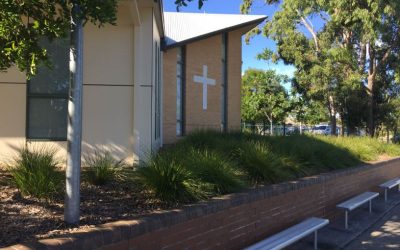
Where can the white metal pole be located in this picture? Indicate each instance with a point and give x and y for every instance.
(316, 240)
(72, 197)
(370, 206)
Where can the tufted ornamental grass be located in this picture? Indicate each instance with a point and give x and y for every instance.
(101, 168)
(35, 171)
(214, 170)
(207, 163)
(170, 181)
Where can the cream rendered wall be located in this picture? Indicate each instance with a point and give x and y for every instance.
(108, 89)
(144, 79)
(118, 95)
(107, 98)
(12, 112)
(13, 116)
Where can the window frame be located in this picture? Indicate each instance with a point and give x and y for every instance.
(54, 96)
(224, 70)
(29, 97)
(158, 79)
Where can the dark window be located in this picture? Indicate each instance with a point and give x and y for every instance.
(47, 95)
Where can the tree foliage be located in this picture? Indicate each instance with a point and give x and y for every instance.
(184, 3)
(346, 53)
(263, 96)
(307, 111)
(24, 23)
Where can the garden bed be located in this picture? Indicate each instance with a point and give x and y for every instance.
(201, 166)
(26, 218)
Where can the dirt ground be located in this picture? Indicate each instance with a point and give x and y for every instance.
(24, 219)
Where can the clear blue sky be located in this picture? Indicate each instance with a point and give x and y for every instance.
(256, 45)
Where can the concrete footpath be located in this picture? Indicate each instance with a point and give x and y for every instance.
(375, 231)
(385, 234)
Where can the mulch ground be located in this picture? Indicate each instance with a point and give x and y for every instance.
(25, 219)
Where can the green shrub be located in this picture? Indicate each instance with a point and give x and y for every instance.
(208, 163)
(214, 169)
(102, 168)
(169, 181)
(259, 163)
(35, 172)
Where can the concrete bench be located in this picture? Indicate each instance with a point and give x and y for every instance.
(389, 185)
(291, 235)
(355, 202)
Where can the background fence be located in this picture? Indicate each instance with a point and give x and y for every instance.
(279, 129)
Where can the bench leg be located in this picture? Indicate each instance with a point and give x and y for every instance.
(346, 225)
(385, 194)
(316, 240)
(370, 206)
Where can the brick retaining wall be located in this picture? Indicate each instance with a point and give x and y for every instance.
(233, 221)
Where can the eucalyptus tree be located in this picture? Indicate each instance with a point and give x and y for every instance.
(343, 55)
(301, 44)
(23, 24)
(184, 3)
(372, 30)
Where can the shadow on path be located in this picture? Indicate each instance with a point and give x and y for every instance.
(375, 231)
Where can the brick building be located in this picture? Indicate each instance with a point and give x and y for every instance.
(202, 72)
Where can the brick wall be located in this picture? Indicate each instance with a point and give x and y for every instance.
(208, 52)
(234, 78)
(204, 52)
(233, 221)
(170, 58)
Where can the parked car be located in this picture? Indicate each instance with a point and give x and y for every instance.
(324, 130)
(320, 129)
(396, 139)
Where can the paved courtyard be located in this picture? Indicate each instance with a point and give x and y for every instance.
(385, 234)
(375, 231)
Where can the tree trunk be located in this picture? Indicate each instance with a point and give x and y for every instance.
(284, 129)
(370, 90)
(263, 127)
(72, 197)
(370, 93)
(271, 128)
(301, 128)
(362, 60)
(387, 135)
(332, 114)
(343, 125)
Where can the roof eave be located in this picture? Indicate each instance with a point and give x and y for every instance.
(160, 17)
(251, 25)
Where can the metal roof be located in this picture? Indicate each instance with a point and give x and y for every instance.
(181, 28)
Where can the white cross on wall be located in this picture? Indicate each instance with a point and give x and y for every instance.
(205, 81)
